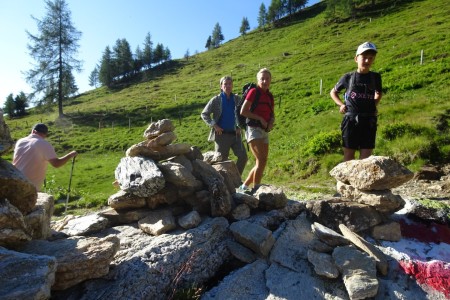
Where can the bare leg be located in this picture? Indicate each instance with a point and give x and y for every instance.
(349, 154)
(365, 153)
(261, 151)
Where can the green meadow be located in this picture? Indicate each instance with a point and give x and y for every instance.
(307, 55)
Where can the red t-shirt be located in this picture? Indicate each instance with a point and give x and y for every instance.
(265, 105)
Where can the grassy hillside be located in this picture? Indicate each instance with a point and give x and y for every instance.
(301, 52)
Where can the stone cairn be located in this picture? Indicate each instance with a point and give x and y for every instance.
(160, 179)
(164, 186)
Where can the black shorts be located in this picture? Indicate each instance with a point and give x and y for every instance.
(359, 132)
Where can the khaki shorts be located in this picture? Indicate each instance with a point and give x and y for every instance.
(254, 133)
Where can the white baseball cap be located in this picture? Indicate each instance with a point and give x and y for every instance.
(366, 47)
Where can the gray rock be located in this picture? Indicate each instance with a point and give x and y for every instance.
(328, 235)
(190, 220)
(390, 231)
(179, 176)
(382, 200)
(240, 212)
(241, 253)
(331, 213)
(323, 264)
(139, 176)
(38, 220)
(6, 142)
(230, 174)
(157, 128)
(242, 198)
(293, 243)
(15, 187)
(270, 197)
(125, 200)
(78, 258)
(153, 267)
(284, 283)
(245, 283)
(220, 196)
(372, 173)
(163, 139)
(26, 276)
(378, 255)
(254, 237)
(13, 231)
(158, 222)
(85, 225)
(358, 272)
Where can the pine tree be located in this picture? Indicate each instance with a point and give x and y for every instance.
(262, 16)
(147, 53)
(208, 43)
(123, 58)
(138, 64)
(21, 104)
(93, 77)
(245, 26)
(158, 53)
(54, 50)
(10, 106)
(217, 36)
(106, 73)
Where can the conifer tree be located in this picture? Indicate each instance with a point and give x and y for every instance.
(21, 104)
(9, 106)
(54, 49)
(147, 52)
(245, 26)
(208, 43)
(106, 72)
(93, 77)
(217, 36)
(262, 16)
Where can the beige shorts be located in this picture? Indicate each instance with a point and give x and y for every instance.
(253, 133)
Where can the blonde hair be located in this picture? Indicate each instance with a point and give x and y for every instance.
(262, 71)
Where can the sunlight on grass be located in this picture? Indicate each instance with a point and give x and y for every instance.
(302, 53)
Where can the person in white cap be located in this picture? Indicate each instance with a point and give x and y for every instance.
(363, 91)
(33, 153)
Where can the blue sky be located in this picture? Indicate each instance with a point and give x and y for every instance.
(179, 25)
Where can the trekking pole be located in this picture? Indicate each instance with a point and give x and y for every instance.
(70, 182)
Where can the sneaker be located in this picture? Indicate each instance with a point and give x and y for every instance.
(243, 189)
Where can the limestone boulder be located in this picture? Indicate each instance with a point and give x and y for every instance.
(26, 276)
(15, 187)
(78, 258)
(372, 173)
(38, 220)
(13, 230)
(6, 142)
(157, 128)
(139, 176)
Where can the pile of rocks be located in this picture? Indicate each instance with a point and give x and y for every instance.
(164, 184)
(25, 234)
(177, 221)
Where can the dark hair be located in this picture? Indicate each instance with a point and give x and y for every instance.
(41, 128)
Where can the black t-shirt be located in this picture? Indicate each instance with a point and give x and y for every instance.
(361, 98)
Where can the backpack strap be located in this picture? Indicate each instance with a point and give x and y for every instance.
(255, 102)
(351, 82)
(350, 85)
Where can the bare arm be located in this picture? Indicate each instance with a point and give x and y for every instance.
(335, 96)
(377, 98)
(61, 161)
(245, 111)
